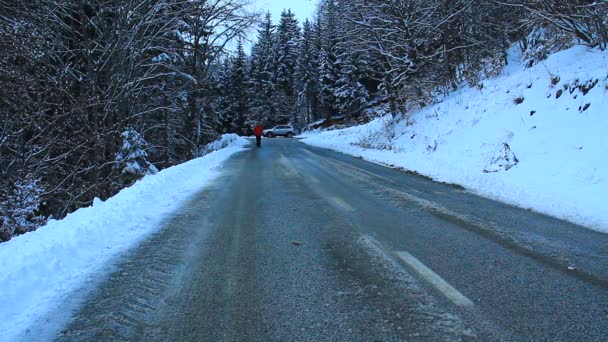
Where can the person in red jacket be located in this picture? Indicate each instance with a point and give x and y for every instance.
(258, 131)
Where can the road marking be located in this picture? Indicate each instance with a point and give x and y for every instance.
(434, 279)
(340, 203)
(359, 170)
(288, 168)
(283, 160)
(313, 179)
(349, 166)
(438, 208)
(310, 153)
(424, 203)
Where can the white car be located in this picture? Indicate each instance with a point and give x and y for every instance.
(280, 131)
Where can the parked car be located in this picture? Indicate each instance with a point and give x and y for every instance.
(281, 131)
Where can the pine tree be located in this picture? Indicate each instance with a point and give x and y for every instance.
(132, 158)
(286, 47)
(223, 102)
(350, 95)
(308, 75)
(239, 84)
(232, 99)
(329, 69)
(355, 64)
(262, 71)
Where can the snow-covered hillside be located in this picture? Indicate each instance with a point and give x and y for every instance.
(39, 269)
(536, 137)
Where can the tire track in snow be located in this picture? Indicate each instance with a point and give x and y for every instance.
(134, 292)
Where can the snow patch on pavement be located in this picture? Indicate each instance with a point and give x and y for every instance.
(532, 137)
(39, 269)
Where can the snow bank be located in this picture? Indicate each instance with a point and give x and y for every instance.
(532, 137)
(225, 141)
(38, 269)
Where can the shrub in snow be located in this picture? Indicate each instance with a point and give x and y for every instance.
(219, 144)
(542, 42)
(379, 139)
(131, 160)
(19, 209)
(503, 159)
(5, 231)
(485, 68)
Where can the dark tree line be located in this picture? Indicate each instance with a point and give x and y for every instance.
(95, 94)
(401, 53)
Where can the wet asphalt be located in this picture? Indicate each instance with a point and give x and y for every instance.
(295, 243)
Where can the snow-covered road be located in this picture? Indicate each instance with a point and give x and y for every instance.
(299, 243)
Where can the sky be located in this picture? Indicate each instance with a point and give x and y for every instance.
(302, 8)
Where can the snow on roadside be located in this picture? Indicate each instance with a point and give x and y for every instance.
(532, 137)
(38, 269)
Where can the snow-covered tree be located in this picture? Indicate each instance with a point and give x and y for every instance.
(20, 208)
(308, 75)
(584, 20)
(329, 74)
(262, 72)
(286, 50)
(78, 74)
(209, 27)
(132, 158)
(329, 67)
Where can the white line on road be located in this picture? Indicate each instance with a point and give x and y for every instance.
(441, 285)
(313, 179)
(288, 168)
(340, 204)
(359, 170)
(438, 208)
(310, 153)
(424, 203)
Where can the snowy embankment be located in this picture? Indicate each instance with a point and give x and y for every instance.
(38, 270)
(536, 137)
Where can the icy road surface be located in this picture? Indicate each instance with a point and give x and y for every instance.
(295, 243)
